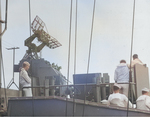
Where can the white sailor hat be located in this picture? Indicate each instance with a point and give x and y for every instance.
(117, 85)
(145, 89)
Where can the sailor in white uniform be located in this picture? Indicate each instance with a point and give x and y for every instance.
(117, 99)
(143, 102)
(25, 80)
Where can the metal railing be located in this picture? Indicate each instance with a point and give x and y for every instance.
(94, 92)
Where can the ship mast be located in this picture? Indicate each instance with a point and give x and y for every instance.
(1, 34)
(0, 52)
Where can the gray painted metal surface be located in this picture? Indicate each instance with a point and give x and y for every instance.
(88, 92)
(87, 78)
(141, 74)
(39, 72)
(52, 106)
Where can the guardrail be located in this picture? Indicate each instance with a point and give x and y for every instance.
(91, 92)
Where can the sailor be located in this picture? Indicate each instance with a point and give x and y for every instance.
(143, 102)
(117, 99)
(136, 60)
(122, 76)
(25, 80)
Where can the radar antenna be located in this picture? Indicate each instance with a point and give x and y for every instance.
(37, 27)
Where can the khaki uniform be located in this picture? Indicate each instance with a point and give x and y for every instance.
(136, 61)
(124, 89)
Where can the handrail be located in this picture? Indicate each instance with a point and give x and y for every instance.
(78, 92)
(89, 84)
(76, 88)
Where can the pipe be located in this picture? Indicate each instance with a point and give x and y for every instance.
(1, 33)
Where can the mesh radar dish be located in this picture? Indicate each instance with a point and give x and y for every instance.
(37, 24)
(37, 27)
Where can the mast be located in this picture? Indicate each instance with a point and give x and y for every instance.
(0, 54)
(1, 34)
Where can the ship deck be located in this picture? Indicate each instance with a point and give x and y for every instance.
(60, 106)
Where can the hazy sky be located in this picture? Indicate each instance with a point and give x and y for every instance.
(111, 34)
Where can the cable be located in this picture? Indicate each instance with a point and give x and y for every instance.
(91, 37)
(75, 51)
(75, 37)
(69, 50)
(131, 54)
(7, 43)
(89, 52)
(30, 17)
(30, 35)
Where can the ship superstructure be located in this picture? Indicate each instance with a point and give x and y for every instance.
(53, 95)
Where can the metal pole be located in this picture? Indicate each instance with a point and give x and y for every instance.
(13, 62)
(12, 81)
(0, 54)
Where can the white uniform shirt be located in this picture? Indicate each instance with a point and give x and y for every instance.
(143, 102)
(136, 61)
(118, 99)
(25, 80)
(122, 73)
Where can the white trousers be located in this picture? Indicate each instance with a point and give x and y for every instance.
(27, 92)
(124, 89)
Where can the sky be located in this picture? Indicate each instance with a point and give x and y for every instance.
(111, 39)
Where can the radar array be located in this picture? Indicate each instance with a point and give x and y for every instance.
(37, 27)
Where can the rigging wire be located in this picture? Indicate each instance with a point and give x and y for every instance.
(130, 73)
(30, 35)
(30, 17)
(91, 36)
(4, 47)
(75, 48)
(75, 53)
(89, 53)
(7, 43)
(69, 50)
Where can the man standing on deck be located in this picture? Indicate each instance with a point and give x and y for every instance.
(122, 76)
(143, 102)
(117, 99)
(136, 60)
(25, 80)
